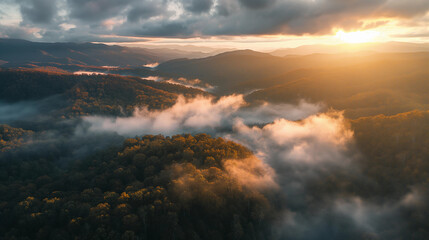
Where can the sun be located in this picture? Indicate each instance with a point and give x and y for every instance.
(357, 37)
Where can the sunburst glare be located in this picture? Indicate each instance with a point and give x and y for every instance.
(357, 37)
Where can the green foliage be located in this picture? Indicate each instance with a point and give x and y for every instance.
(89, 94)
(11, 138)
(395, 150)
(393, 167)
(393, 157)
(153, 187)
(20, 85)
(377, 84)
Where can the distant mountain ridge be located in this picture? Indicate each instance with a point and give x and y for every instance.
(22, 53)
(353, 48)
(246, 70)
(89, 94)
(226, 69)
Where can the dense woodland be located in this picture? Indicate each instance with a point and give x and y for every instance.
(383, 84)
(60, 183)
(395, 148)
(153, 187)
(158, 187)
(18, 53)
(77, 95)
(11, 138)
(362, 84)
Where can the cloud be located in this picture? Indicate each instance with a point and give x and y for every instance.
(96, 10)
(7, 31)
(295, 147)
(187, 115)
(197, 6)
(159, 29)
(415, 198)
(199, 114)
(145, 10)
(354, 217)
(23, 110)
(15, 111)
(194, 83)
(226, 7)
(343, 218)
(61, 145)
(318, 139)
(189, 18)
(38, 11)
(300, 151)
(404, 9)
(256, 4)
(301, 154)
(251, 172)
(266, 112)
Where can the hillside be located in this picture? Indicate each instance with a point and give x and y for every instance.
(78, 95)
(395, 149)
(153, 187)
(20, 53)
(68, 171)
(385, 84)
(225, 69)
(244, 71)
(11, 138)
(396, 47)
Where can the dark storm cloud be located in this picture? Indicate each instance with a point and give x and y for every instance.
(225, 7)
(187, 18)
(164, 29)
(76, 35)
(38, 11)
(197, 6)
(15, 32)
(145, 10)
(255, 4)
(96, 10)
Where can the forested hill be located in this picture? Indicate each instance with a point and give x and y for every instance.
(11, 138)
(180, 187)
(385, 84)
(78, 95)
(244, 71)
(19, 53)
(153, 187)
(15, 52)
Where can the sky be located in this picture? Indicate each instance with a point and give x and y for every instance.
(217, 23)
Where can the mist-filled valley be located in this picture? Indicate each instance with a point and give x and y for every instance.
(109, 142)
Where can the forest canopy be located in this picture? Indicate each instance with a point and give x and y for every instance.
(153, 187)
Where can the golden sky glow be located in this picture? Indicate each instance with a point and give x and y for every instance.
(271, 42)
(238, 24)
(357, 37)
(391, 30)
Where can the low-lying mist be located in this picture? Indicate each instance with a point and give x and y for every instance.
(15, 111)
(192, 83)
(295, 146)
(201, 114)
(30, 111)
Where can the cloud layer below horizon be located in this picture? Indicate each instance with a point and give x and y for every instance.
(294, 148)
